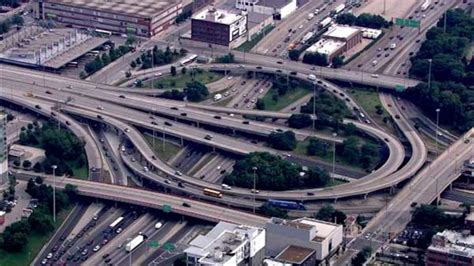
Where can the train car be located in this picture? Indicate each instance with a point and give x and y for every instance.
(212, 193)
(285, 204)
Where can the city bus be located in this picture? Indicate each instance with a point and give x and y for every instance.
(103, 32)
(212, 193)
(188, 60)
(116, 223)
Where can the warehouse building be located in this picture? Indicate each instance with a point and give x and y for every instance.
(144, 18)
(220, 27)
(351, 36)
(279, 9)
(451, 248)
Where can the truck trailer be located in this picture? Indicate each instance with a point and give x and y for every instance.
(285, 204)
(134, 243)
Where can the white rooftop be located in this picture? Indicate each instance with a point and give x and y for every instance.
(218, 15)
(323, 229)
(222, 240)
(325, 46)
(342, 32)
(456, 243)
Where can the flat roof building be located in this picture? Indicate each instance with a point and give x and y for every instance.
(144, 18)
(451, 248)
(228, 244)
(303, 241)
(257, 23)
(351, 36)
(328, 47)
(218, 26)
(279, 9)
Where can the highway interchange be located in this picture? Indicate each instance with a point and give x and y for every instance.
(125, 110)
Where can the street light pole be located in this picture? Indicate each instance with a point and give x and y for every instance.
(254, 186)
(314, 105)
(437, 128)
(334, 156)
(130, 253)
(54, 191)
(429, 73)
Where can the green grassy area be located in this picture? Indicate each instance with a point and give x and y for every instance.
(171, 149)
(35, 244)
(285, 100)
(368, 99)
(81, 172)
(179, 81)
(248, 45)
(335, 182)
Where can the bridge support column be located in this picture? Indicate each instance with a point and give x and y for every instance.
(335, 200)
(197, 124)
(233, 132)
(213, 149)
(451, 186)
(182, 141)
(438, 200)
(365, 196)
(392, 190)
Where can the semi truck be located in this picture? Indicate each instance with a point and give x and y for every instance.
(325, 22)
(425, 5)
(134, 243)
(285, 204)
(338, 9)
(307, 37)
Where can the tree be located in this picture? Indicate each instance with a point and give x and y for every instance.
(285, 141)
(315, 59)
(316, 177)
(173, 70)
(131, 39)
(106, 59)
(26, 164)
(173, 95)
(329, 214)
(183, 70)
(40, 222)
(294, 54)
(226, 59)
(299, 121)
(17, 20)
(362, 256)
(260, 105)
(317, 147)
(346, 19)
(337, 61)
(271, 211)
(71, 191)
(195, 91)
(351, 150)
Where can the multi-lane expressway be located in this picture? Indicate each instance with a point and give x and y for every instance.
(197, 209)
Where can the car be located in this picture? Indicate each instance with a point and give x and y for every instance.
(168, 124)
(49, 92)
(44, 261)
(178, 173)
(187, 205)
(53, 114)
(359, 65)
(158, 74)
(254, 191)
(387, 55)
(158, 225)
(167, 181)
(208, 137)
(96, 248)
(122, 96)
(183, 114)
(280, 62)
(49, 256)
(379, 55)
(374, 75)
(145, 169)
(245, 122)
(309, 193)
(38, 107)
(397, 116)
(174, 108)
(154, 123)
(107, 260)
(417, 41)
(106, 256)
(84, 252)
(100, 117)
(294, 73)
(386, 140)
(259, 67)
(127, 130)
(84, 258)
(55, 248)
(105, 241)
(100, 107)
(217, 117)
(466, 141)
(153, 157)
(180, 184)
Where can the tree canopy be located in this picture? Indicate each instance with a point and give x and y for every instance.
(195, 91)
(285, 141)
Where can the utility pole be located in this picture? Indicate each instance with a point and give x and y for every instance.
(437, 129)
(54, 191)
(444, 26)
(334, 155)
(314, 105)
(429, 73)
(254, 186)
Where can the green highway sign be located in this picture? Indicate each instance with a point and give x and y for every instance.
(169, 246)
(407, 22)
(153, 244)
(166, 208)
(399, 88)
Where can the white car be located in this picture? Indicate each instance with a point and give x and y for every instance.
(49, 256)
(44, 261)
(158, 225)
(145, 169)
(119, 230)
(158, 74)
(375, 76)
(219, 167)
(96, 248)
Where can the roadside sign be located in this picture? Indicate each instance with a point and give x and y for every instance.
(153, 244)
(407, 22)
(169, 246)
(166, 208)
(399, 88)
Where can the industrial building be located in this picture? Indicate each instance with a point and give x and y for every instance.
(279, 9)
(349, 35)
(220, 27)
(3, 150)
(451, 248)
(328, 47)
(303, 241)
(144, 18)
(228, 244)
